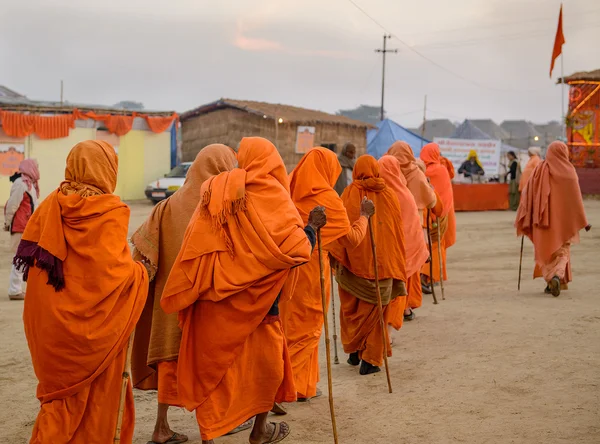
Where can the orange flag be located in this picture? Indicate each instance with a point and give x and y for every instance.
(559, 40)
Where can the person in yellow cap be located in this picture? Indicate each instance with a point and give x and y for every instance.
(472, 167)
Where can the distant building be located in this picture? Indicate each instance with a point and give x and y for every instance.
(293, 130)
(437, 128)
(522, 134)
(491, 128)
(549, 132)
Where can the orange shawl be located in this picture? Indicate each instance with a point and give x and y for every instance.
(446, 162)
(311, 185)
(159, 239)
(386, 222)
(438, 175)
(76, 333)
(240, 247)
(533, 162)
(415, 179)
(416, 250)
(551, 210)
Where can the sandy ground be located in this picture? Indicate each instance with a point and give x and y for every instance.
(487, 365)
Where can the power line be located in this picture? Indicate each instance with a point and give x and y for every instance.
(433, 62)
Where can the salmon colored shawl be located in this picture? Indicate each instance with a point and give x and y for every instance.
(551, 210)
(416, 250)
(85, 293)
(532, 163)
(415, 179)
(239, 248)
(438, 175)
(386, 222)
(159, 239)
(311, 185)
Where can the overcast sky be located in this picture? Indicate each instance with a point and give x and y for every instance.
(179, 54)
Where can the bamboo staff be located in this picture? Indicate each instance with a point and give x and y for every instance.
(124, 386)
(441, 262)
(521, 262)
(336, 359)
(430, 255)
(327, 342)
(380, 306)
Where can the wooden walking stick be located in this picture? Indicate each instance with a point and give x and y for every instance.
(441, 262)
(521, 262)
(430, 255)
(125, 383)
(327, 342)
(336, 359)
(380, 306)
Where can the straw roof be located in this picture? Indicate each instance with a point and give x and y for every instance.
(274, 111)
(593, 76)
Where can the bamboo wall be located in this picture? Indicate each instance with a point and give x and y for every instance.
(229, 126)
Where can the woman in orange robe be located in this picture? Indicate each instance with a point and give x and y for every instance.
(158, 240)
(532, 163)
(440, 180)
(311, 184)
(551, 214)
(84, 296)
(243, 242)
(359, 319)
(416, 181)
(415, 247)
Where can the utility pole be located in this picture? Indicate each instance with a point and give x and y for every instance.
(384, 51)
(61, 93)
(424, 120)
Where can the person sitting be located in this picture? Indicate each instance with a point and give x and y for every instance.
(472, 166)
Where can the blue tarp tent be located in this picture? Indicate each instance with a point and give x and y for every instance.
(381, 139)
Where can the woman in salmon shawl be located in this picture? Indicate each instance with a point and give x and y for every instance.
(417, 252)
(361, 334)
(84, 296)
(551, 214)
(532, 163)
(416, 181)
(444, 230)
(241, 246)
(157, 335)
(311, 184)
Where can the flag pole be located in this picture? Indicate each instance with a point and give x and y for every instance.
(562, 96)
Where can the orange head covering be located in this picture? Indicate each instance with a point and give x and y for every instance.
(386, 222)
(438, 175)
(416, 250)
(446, 162)
(551, 210)
(532, 163)
(311, 185)
(91, 169)
(415, 179)
(239, 249)
(82, 229)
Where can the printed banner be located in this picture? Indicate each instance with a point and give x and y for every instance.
(11, 155)
(305, 139)
(457, 150)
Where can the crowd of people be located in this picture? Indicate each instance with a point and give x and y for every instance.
(222, 283)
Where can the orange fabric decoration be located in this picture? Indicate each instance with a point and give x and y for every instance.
(80, 364)
(559, 41)
(416, 250)
(551, 211)
(387, 224)
(532, 163)
(311, 185)
(247, 222)
(58, 126)
(415, 178)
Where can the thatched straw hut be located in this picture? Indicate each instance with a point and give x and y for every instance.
(293, 130)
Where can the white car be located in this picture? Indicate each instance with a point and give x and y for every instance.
(160, 189)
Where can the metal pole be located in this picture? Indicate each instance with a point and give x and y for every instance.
(562, 95)
(424, 120)
(61, 93)
(382, 113)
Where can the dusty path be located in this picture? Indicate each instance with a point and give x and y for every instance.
(488, 365)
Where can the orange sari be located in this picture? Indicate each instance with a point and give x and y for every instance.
(88, 295)
(311, 185)
(359, 321)
(551, 213)
(159, 239)
(236, 256)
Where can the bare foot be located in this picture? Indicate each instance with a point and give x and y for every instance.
(271, 433)
(170, 436)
